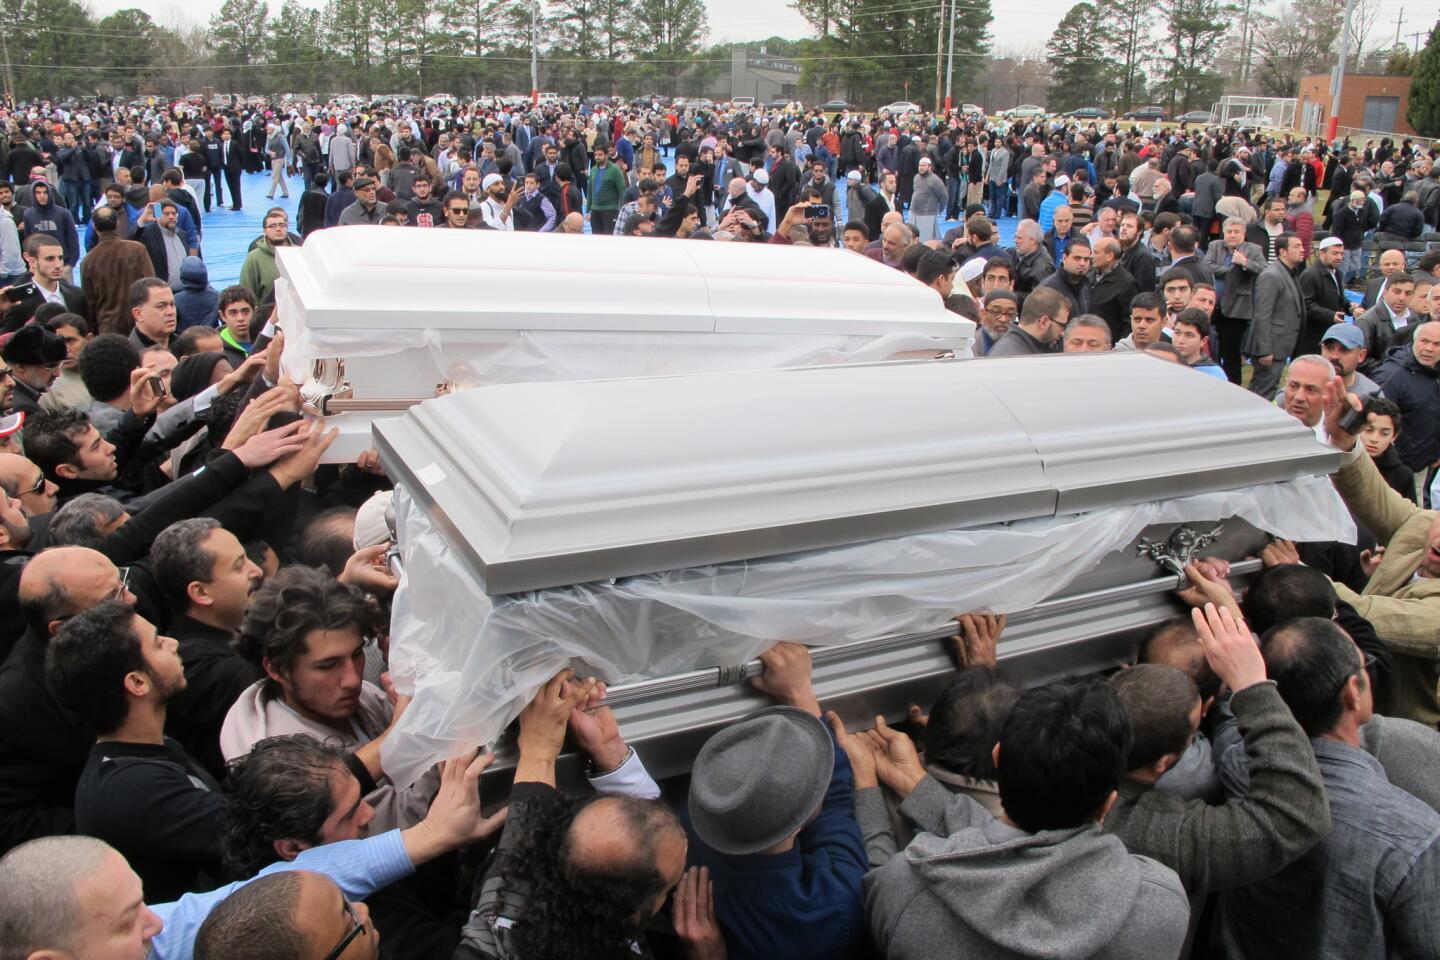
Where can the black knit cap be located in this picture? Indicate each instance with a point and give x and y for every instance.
(192, 374)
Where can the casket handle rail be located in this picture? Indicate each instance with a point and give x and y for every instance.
(733, 675)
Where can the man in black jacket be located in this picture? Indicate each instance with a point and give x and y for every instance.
(1402, 221)
(207, 581)
(1112, 288)
(1325, 303)
(1411, 380)
(139, 790)
(44, 746)
(215, 163)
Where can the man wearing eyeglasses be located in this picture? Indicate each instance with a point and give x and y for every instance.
(457, 211)
(1000, 309)
(26, 483)
(34, 355)
(44, 747)
(1378, 871)
(298, 906)
(260, 269)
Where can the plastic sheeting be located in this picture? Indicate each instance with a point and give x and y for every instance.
(473, 661)
(477, 358)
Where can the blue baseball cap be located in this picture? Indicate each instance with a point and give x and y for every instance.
(1346, 334)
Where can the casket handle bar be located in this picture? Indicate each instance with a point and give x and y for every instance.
(732, 675)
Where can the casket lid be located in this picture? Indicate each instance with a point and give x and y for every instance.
(361, 278)
(547, 484)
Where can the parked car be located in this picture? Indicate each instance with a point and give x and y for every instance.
(834, 106)
(779, 103)
(969, 109)
(1146, 113)
(1196, 116)
(1090, 113)
(742, 103)
(1024, 111)
(1252, 121)
(901, 106)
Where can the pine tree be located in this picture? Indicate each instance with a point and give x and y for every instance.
(1127, 41)
(1075, 52)
(1424, 110)
(1195, 30)
(238, 35)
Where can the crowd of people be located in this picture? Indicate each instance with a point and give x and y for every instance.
(194, 691)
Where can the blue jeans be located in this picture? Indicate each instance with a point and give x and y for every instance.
(956, 187)
(77, 195)
(999, 200)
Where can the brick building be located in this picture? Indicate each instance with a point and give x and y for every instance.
(1368, 101)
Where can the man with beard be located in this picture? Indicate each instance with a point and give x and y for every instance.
(1133, 253)
(208, 579)
(1038, 331)
(497, 207)
(139, 791)
(1325, 303)
(1344, 346)
(307, 632)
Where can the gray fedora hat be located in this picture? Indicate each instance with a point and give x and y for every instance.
(760, 780)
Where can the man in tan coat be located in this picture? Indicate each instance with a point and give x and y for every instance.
(107, 273)
(1402, 599)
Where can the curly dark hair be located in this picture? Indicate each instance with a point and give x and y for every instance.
(87, 660)
(595, 911)
(291, 604)
(280, 790)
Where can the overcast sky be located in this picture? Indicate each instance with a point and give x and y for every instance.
(1018, 23)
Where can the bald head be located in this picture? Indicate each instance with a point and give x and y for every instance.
(40, 904)
(893, 217)
(1175, 643)
(22, 479)
(62, 581)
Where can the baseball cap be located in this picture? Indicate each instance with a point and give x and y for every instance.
(1346, 334)
(1329, 242)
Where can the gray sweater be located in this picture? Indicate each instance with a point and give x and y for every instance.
(929, 197)
(971, 886)
(1246, 838)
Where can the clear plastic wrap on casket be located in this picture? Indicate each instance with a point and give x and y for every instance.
(378, 318)
(649, 527)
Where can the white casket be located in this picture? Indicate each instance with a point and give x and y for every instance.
(377, 319)
(661, 532)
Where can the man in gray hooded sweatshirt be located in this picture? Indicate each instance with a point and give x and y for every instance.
(1043, 880)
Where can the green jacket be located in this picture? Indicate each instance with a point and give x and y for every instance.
(260, 269)
(607, 187)
(1244, 839)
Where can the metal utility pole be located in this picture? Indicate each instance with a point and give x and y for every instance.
(534, 52)
(1399, 22)
(939, 49)
(950, 62)
(1417, 36)
(1337, 83)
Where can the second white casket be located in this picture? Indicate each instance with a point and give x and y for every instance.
(663, 531)
(376, 319)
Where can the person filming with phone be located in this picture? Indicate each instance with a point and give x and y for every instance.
(159, 231)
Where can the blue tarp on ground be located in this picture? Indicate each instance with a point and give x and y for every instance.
(228, 234)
